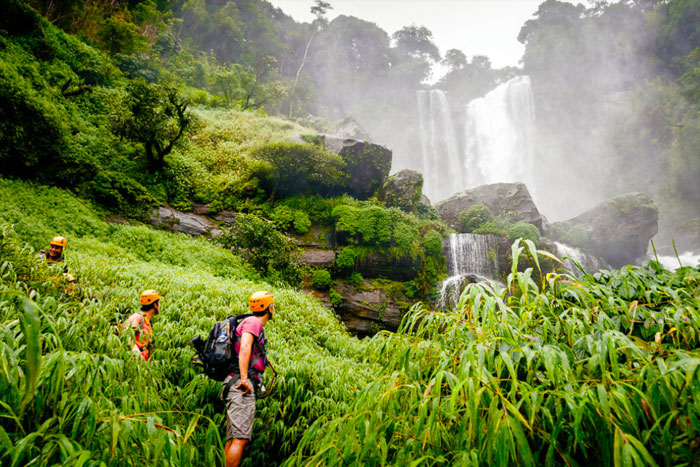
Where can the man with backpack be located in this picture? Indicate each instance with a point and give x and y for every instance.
(241, 385)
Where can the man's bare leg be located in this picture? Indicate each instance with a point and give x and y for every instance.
(234, 451)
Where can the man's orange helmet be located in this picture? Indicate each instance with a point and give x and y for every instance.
(149, 296)
(59, 241)
(260, 301)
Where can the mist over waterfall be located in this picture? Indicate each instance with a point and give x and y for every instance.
(497, 140)
(442, 163)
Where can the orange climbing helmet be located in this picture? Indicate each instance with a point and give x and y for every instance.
(149, 296)
(260, 301)
(59, 241)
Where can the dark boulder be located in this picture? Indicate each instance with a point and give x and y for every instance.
(510, 201)
(367, 310)
(367, 164)
(617, 230)
(403, 190)
(177, 221)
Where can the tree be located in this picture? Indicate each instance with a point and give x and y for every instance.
(455, 59)
(416, 41)
(155, 115)
(296, 168)
(319, 10)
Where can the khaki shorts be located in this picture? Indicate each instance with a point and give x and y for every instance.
(240, 411)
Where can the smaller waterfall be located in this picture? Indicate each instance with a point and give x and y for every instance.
(570, 254)
(472, 254)
(469, 256)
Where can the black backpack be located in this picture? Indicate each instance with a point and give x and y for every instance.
(217, 355)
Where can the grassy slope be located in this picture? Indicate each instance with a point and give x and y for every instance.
(90, 407)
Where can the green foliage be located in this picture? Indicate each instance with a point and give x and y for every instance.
(321, 279)
(335, 297)
(496, 227)
(153, 115)
(286, 218)
(524, 231)
(355, 279)
(475, 217)
(591, 343)
(432, 243)
(267, 250)
(345, 260)
(77, 392)
(297, 169)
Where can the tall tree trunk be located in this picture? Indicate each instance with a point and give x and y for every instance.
(296, 78)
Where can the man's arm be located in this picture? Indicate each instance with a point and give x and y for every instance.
(244, 361)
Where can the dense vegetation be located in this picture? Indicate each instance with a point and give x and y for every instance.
(550, 370)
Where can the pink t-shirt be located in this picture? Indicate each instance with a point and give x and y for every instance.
(254, 326)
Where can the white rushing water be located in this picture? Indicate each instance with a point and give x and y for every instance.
(570, 254)
(469, 255)
(497, 140)
(499, 135)
(441, 164)
(672, 263)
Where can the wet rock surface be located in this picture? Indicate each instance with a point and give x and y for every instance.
(510, 201)
(403, 190)
(192, 224)
(618, 230)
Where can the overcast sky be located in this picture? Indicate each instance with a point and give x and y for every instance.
(476, 27)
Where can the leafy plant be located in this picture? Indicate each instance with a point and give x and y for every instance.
(524, 231)
(474, 217)
(321, 279)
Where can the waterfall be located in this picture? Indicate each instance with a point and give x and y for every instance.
(441, 163)
(499, 135)
(469, 256)
(498, 140)
(472, 254)
(568, 254)
(684, 259)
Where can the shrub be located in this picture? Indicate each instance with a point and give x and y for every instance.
(336, 298)
(286, 218)
(475, 217)
(321, 279)
(525, 231)
(346, 258)
(267, 250)
(432, 242)
(355, 279)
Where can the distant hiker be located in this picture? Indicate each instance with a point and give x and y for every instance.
(55, 253)
(140, 322)
(240, 387)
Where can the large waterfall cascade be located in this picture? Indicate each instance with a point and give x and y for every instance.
(497, 146)
(441, 164)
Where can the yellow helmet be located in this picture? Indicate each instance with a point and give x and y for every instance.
(149, 296)
(69, 277)
(59, 241)
(260, 300)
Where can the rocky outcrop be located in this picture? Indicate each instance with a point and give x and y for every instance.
(318, 258)
(403, 190)
(366, 310)
(617, 230)
(510, 201)
(367, 164)
(177, 221)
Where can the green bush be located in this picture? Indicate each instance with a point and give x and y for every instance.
(299, 169)
(267, 250)
(474, 217)
(355, 279)
(432, 243)
(286, 218)
(346, 259)
(336, 298)
(321, 279)
(525, 231)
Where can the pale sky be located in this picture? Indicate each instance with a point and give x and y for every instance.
(476, 27)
